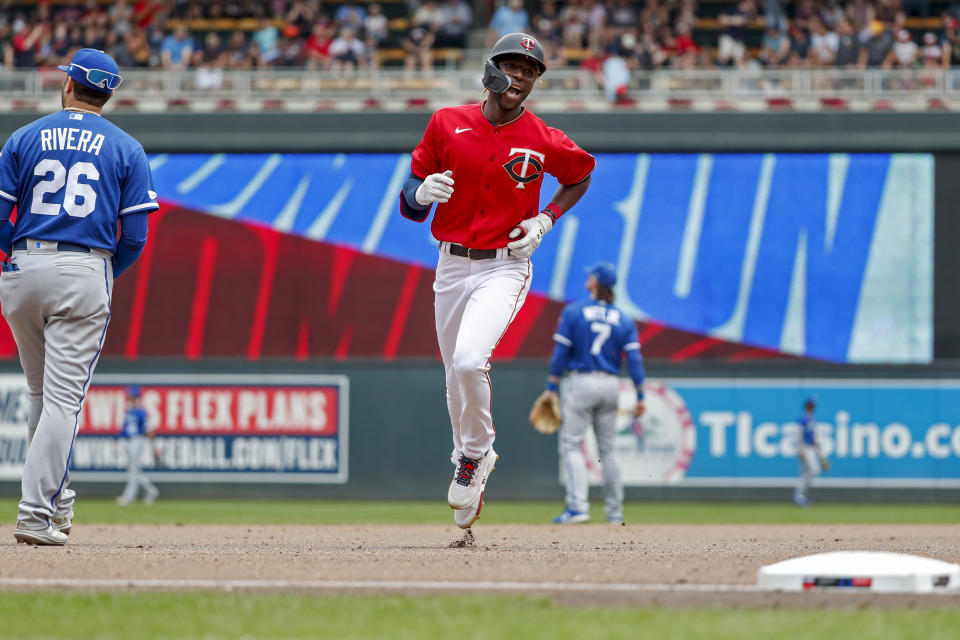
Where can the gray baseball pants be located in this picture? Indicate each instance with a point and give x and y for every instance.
(591, 400)
(136, 478)
(58, 306)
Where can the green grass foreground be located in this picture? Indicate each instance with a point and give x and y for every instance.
(201, 511)
(220, 615)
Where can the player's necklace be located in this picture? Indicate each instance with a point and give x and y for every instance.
(79, 110)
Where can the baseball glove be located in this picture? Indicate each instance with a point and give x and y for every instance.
(157, 456)
(545, 415)
(824, 464)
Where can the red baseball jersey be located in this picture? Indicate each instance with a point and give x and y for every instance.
(497, 171)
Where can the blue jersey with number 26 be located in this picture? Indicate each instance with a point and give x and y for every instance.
(72, 175)
(597, 334)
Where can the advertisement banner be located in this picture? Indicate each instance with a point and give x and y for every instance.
(708, 432)
(291, 428)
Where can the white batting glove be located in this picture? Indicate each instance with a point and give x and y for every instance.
(438, 187)
(528, 234)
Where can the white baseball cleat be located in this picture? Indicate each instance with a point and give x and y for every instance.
(48, 536)
(466, 517)
(470, 478)
(63, 524)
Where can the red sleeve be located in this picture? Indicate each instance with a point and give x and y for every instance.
(426, 157)
(570, 163)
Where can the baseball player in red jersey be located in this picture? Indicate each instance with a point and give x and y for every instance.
(484, 164)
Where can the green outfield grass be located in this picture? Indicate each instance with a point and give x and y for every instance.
(494, 512)
(219, 615)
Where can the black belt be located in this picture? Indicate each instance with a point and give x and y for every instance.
(21, 245)
(473, 254)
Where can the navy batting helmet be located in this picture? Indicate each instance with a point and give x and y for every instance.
(511, 44)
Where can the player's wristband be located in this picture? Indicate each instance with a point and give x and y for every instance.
(552, 386)
(553, 211)
(639, 393)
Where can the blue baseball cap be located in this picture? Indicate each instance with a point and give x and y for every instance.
(811, 399)
(133, 391)
(604, 272)
(95, 69)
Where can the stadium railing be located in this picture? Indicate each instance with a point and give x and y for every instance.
(307, 90)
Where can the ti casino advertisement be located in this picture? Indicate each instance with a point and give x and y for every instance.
(219, 428)
(704, 432)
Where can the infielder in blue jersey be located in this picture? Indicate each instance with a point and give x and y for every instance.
(75, 179)
(591, 340)
(136, 431)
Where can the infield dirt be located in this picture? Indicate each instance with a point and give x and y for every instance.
(638, 554)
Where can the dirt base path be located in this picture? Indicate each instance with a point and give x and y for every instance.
(658, 564)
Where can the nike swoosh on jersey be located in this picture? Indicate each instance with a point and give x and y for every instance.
(459, 130)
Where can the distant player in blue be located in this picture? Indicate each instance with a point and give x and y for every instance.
(136, 431)
(76, 180)
(591, 340)
(811, 458)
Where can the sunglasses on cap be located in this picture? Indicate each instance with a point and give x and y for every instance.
(100, 78)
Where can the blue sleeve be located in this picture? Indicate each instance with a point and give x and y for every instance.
(634, 359)
(558, 362)
(136, 191)
(9, 172)
(6, 228)
(409, 207)
(133, 238)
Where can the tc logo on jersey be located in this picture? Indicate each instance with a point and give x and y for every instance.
(529, 159)
(527, 43)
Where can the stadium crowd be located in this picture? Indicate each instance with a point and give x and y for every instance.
(642, 34)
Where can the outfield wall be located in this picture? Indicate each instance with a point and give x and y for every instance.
(711, 432)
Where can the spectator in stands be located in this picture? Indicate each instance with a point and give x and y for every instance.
(874, 51)
(347, 52)
(860, 13)
(616, 70)
(554, 54)
(596, 23)
(774, 17)
(904, 52)
(774, 48)
(800, 54)
(731, 49)
(888, 12)
(509, 18)
(237, 54)
(457, 18)
(375, 28)
(290, 47)
(823, 43)
(303, 14)
(430, 15)
(649, 54)
(931, 53)
(60, 45)
(848, 46)
(418, 45)
(351, 15)
(25, 42)
(574, 31)
(831, 13)
(266, 38)
(623, 18)
(687, 52)
(209, 63)
(547, 26)
(120, 16)
(177, 49)
(804, 14)
(318, 45)
(950, 43)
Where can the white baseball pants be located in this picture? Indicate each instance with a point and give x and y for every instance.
(475, 301)
(591, 400)
(57, 305)
(809, 469)
(136, 478)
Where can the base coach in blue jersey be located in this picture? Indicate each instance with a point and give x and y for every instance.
(592, 337)
(76, 180)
